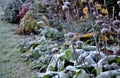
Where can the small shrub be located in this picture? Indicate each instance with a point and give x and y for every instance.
(11, 11)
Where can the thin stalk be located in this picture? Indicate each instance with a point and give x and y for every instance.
(97, 69)
(97, 45)
(77, 7)
(118, 40)
(68, 19)
(74, 52)
(86, 66)
(105, 4)
(105, 49)
(105, 44)
(113, 12)
(96, 9)
(93, 29)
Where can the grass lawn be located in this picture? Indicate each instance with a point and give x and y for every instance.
(11, 64)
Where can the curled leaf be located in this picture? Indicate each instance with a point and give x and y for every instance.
(87, 35)
(105, 38)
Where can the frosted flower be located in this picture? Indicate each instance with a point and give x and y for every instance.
(79, 42)
(65, 8)
(99, 22)
(68, 4)
(104, 30)
(116, 22)
(118, 2)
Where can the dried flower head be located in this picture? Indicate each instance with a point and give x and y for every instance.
(67, 4)
(65, 35)
(71, 34)
(65, 8)
(99, 22)
(79, 42)
(116, 22)
(104, 25)
(94, 13)
(104, 31)
(119, 14)
(118, 2)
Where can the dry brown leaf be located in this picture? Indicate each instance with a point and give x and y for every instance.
(105, 38)
(87, 35)
(111, 33)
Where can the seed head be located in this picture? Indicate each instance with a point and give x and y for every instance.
(68, 4)
(70, 34)
(94, 13)
(118, 2)
(119, 14)
(116, 22)
(99, 22)
(65, 8)
(79, 42)
(104, 31)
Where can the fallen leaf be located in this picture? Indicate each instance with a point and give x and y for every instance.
(87, 35)
(111, 33)
(105, 38)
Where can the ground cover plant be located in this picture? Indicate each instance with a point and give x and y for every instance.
(72, 39)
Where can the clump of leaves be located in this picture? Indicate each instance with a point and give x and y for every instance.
(33, 20)
(37, 52)
(32, 23)
(51, 33)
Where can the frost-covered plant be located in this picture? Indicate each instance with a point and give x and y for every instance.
(12, 11)
(51, 33)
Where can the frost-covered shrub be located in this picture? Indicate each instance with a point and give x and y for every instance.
(11, 11)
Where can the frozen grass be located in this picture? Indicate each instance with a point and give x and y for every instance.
(11, 64)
